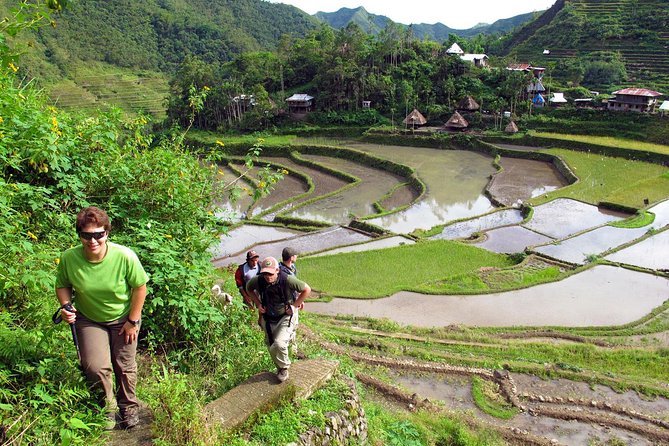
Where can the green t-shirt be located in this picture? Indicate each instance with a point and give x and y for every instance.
(102, 290)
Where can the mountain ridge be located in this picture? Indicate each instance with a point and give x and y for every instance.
(374, 23)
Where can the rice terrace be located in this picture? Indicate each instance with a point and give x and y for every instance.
(574, 277)
(480, 219)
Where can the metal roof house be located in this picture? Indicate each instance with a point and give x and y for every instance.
(300, 104)
(557, 99)
(664, 108)
(455, 50)
(479, 60)
(638, 100)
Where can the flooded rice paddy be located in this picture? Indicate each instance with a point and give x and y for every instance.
(652, 253)
(240, 239)
(386, 242)
(304, 244)
(454, 179)
(522, 179)
(563, 217)
(564, 229)
(511, 239)
(596, 297)
(464, 229)
(455, 393)
(354, 201)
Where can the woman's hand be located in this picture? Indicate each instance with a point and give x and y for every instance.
(69, 316)
(130, 331)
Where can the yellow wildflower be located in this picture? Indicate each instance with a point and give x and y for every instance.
(262, 184)
(13, 67)
(1, 120)
(31, 235)
(168, 236)
(284, 172)
(205, 88)
(57, 260)
(220, 143)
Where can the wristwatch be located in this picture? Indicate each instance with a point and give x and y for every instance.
(135, 323)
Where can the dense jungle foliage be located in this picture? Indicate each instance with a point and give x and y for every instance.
(160, 199)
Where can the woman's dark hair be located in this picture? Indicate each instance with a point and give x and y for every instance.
(92, 216)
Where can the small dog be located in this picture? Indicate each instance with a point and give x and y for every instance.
(218, 294)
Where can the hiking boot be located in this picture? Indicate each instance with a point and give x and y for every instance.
(282, 375)
(110, 421)
(130, 418)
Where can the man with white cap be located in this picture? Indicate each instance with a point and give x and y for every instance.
(272, 292)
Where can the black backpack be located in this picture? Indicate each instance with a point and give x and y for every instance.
(286, 295)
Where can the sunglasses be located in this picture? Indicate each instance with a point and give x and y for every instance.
(88, 236)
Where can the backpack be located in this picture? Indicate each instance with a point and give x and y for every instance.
(286, 296)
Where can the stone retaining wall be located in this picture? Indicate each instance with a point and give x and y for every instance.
(341, 426)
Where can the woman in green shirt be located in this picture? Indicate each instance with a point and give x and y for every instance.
(106, 285)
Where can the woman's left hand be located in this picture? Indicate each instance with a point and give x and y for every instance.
(130, 331)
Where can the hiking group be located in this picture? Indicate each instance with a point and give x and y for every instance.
(274, 289)
(101, 288)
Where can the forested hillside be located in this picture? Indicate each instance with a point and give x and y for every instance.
(122, 52)
(157, 34)
(600, 43)
(373, 24)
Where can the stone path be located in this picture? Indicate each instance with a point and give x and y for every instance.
(262, 391)
(140, 435)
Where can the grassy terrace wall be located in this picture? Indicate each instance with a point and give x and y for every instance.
(629, 125)
(616, 152)
(293, 152)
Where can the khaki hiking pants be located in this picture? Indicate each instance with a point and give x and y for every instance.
(282, 333)
(103, 351)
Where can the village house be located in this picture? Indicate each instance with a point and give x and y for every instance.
(415, 118)
(479, 60)
(300, 104)
(536, 89)
(639, 100)
(557, 100)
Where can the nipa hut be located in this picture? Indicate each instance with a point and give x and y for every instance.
(468, 104)
(511, 128)
(456, 122)
(415, 118)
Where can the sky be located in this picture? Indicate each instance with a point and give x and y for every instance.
(452, 13)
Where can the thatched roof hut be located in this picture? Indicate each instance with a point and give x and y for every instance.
(468, 104)
(415, 118)
(511, 128)
(456, 122)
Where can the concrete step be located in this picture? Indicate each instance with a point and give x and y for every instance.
(263, 391)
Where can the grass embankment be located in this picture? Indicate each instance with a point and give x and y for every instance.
(607, 179)
(268, 140)
(425, 266)
(639, 365)
(607, 141)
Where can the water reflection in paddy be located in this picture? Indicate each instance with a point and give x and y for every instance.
(357, 200)
(524, 179)
(599, 296)
(455, 180)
